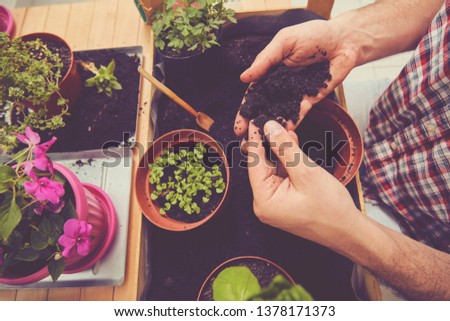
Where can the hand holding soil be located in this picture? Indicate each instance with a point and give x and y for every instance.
(299, 46)
(309, 203)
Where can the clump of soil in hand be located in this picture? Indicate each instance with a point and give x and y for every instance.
(279, 94)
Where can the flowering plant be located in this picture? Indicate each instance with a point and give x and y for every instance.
(38, 221)
(181, 26)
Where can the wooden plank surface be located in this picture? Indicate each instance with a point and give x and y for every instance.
(102, 26)
(79, 25)
(35, 19)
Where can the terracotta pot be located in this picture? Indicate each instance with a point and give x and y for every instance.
(69, 85)
(238, 261)
(325, 125)
(144, 188)
(81, 207)
(7, 21)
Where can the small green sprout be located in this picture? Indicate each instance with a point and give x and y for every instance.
(190, 184)
(104, 78)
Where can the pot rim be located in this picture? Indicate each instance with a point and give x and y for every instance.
(240, 258)
(35, 35)
(350, 129)
(143, 169)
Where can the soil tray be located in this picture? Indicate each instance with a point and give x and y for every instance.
(180, 262)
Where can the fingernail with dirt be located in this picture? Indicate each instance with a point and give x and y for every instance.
(272, 128)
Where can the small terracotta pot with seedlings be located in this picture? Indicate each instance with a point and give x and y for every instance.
(182, 180)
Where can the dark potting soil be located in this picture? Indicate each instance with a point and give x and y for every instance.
(281, 91)
(206, 209)
(264, 272)
(180, 262)
(63, 52)
(97, 120)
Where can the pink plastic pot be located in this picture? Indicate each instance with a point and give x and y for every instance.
(94, 206)
(7, 21)
(102, 216)
(81, 207)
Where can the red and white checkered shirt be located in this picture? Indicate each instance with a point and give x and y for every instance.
(407, 143)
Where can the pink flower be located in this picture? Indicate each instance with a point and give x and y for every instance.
(33, 139)
(30, 138)
(77, 234)
(44, 189)
(179, 4)
(196, 5)
(54, 208)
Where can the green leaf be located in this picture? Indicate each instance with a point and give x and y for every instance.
(111, 67)
(38, 241)
(7, 174)
(236, 283)
(162, 211)
(68, 211)
(56, 268)
(10, 216)
(116, 85)
(27, 254)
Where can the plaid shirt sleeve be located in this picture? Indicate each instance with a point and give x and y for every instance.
(407, 143)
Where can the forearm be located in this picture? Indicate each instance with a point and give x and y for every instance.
(386, 27)
(414, 269)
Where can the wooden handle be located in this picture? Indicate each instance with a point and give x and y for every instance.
(167, 91)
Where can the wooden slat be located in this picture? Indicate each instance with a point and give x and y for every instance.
(102, 28)
(7, 295)
(254, 5)
(236, 6)
(102, 293)
(279, 4)
(32, 295)
(127, 22)
(64, 294)
(19, 17)
(321, 7)
(79, 25)
(35, 19)
(57, 18)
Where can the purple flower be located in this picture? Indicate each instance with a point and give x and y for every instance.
(77, 234)
(44, 189)
(54, 208)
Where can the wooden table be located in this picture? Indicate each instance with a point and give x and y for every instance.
(104, 24)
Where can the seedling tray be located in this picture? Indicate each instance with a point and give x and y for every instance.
(180, 262)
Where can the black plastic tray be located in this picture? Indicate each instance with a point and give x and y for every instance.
(180, 261)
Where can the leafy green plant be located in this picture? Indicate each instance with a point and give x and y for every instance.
(187, 25)
(238, 283)
(190, 179)
(104, 78)
(29, 74)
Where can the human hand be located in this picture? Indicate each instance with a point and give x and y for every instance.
(310, 202)
(301, 45)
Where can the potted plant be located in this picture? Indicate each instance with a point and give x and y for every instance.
(7, 24)
(184, 28)
(251, 278)
(39, 73)
(47, 222)
(182, 180)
